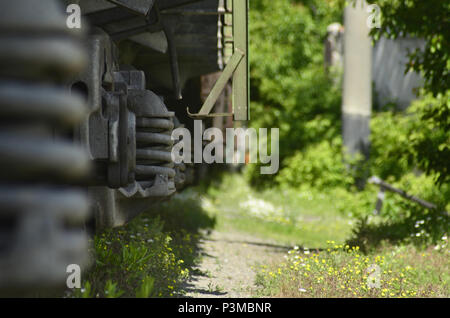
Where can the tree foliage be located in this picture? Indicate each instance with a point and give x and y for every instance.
(289, 87)
(291, 90)
(428, 20)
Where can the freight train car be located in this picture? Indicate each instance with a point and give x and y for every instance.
(90, 92)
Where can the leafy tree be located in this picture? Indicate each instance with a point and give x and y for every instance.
(289, 87)
(428, 20)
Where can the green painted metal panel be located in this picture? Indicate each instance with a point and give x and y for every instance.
(241, 75)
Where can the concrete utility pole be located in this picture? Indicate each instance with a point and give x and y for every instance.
(357, 85)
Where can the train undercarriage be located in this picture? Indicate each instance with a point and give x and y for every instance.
(88, 108)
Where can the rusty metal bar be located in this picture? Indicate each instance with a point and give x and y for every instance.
(237, 67)
(219, 86)
(386, 186)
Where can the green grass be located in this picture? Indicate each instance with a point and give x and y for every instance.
(311, 234)
(341, 271)
(329, 267)
(286, 216)
(154, 254)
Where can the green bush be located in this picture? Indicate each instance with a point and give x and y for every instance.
(404, 221)
(423, 226)
(321, 166)
(429, 136)
(389, 152)
(403, 144)
(418, 138)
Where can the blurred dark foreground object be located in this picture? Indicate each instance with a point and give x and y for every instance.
(42, 216)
